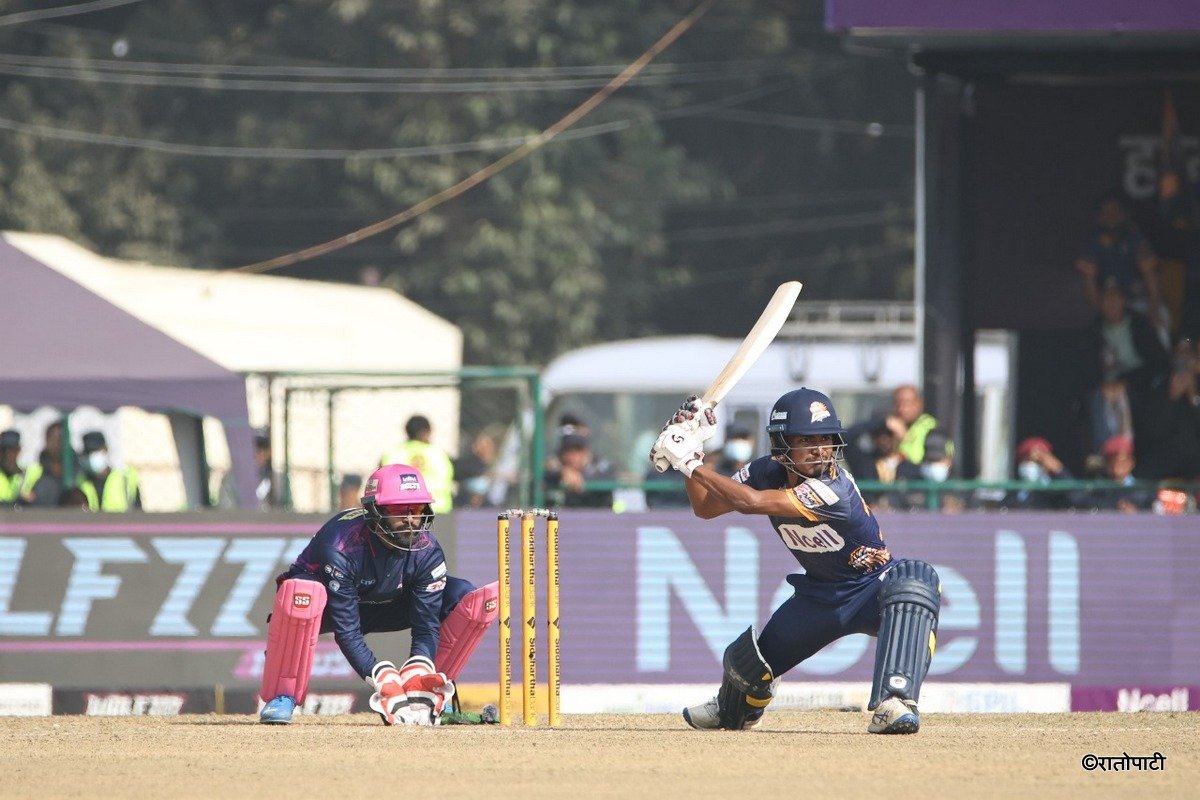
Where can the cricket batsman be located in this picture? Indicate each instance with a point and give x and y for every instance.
(372, 569)
(850, 584)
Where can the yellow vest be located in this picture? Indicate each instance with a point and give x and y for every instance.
(912, 446)
(120, 490)
(11, 486)
(433, 464)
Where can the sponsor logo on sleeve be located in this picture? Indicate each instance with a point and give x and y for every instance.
(742, 475)
(807, 497)
(436, 586)
(814, 494)
(439, 570)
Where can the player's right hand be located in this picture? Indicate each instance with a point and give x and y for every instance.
(693, 413)
(383, 672)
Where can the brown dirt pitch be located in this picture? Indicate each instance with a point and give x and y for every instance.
(794, 755)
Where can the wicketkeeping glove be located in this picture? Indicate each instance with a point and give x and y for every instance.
(408, 696)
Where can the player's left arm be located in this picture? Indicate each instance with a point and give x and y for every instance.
(726, 493)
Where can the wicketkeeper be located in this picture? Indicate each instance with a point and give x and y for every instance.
(373, 569)
(851, 583)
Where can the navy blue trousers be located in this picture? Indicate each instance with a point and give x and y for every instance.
(807, 621)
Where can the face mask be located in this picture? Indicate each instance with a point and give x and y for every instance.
(97, 462)
(739, 449)
(1030, 472)
(937, 471)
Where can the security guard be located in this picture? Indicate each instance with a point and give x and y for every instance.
(429, 459)
(107, 489)
(12, 477)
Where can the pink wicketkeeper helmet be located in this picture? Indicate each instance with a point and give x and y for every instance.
(393, 494)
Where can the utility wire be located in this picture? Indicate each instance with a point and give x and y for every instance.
(62, 11)
(789, 226)
(495, 167)
(210, 83)
(605, 71)
(369, 154)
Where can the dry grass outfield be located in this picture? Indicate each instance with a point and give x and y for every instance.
(795, 755)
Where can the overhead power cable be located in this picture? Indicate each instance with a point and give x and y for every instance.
(62, 11)
(496, 167)
(369, 154)
(308, 71)
(211, 83)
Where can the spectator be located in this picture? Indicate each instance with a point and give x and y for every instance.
(1176, 227)
(878, 459)
(1119, 464)
(578, 467)
(1121, 354)
(737, 452)
(75, 498)
(1038, 466)
(44, 480)
(350, 490)
(267, 488)
(909, 422)
(936, 467)
(569, 424)
(1115, 252)
(429, 459)
(476, 470)
(1175, 435)
(12, 477)
(107, 488)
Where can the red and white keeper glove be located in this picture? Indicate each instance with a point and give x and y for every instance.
(415, 694)
(681, 443)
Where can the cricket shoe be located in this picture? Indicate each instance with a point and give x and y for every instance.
(278, 711)
(707, 717)
(895, 715)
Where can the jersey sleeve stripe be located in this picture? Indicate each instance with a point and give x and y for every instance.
(804, 511)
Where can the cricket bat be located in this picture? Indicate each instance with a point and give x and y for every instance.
(752, 347)
(756, 342)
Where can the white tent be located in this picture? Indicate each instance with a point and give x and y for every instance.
(265, 325)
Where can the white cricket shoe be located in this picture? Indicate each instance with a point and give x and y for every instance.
(706, 717)
(703, 717)
(895, 715)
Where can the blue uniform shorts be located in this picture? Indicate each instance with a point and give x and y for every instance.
(812, 618)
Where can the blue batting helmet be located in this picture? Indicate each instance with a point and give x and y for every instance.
(803, 412)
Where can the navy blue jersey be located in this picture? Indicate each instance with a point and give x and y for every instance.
(358, 569)
(833, 533)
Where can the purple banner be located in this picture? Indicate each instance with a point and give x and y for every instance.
(1013, 15)
(1100, 599)
(1135, 698)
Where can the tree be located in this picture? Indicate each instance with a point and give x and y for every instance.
(616, 229)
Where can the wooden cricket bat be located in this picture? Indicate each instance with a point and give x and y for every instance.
(756, 342)
(754, 345)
